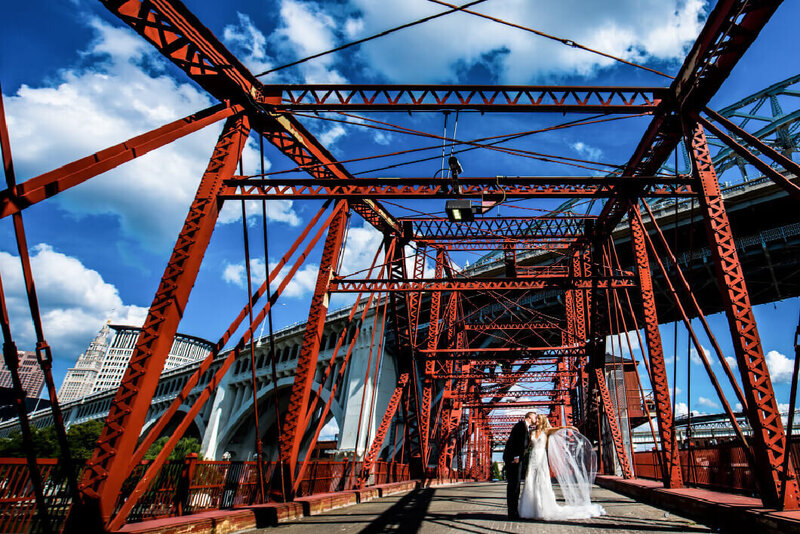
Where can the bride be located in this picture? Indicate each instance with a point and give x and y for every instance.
(571, 458)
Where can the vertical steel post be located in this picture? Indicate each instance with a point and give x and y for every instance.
(294, 423)
(658, 370)
(769, 439)
(108, 468)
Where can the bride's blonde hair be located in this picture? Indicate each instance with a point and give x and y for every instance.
(542, 423)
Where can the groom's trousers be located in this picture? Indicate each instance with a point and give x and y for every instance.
(512, 490)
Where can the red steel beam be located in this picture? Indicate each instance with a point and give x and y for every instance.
(383, 428)
(496, 188)
(478, 284)
(768, 439)
(496, 98)
(294, 423)
(180, 36)
(107, 470)
(613, 425)
(56, 181)
(536, 325)
(658, 371)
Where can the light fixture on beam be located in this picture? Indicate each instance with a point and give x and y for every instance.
(459, 210)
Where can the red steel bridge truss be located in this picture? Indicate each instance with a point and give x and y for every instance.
(467, 348)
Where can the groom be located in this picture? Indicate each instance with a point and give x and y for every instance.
(515, 459)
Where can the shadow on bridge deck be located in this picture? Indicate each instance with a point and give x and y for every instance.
(481, 507)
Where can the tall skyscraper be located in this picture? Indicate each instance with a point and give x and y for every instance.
(103, 364)
(30, 374)
(80, 379)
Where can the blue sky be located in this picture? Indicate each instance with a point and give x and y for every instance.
(75, 80)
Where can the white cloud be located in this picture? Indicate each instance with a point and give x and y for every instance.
(621, 340)
(738, 406)
(731, 362)
(279, 211)
(586, 151)
(74, 301)
(362, 244)
(251, 44)
(696, 357)
(682, 410)
(780, 367)
(301, 285)
(124, 92)
(707, 403)
(437, 51)
(675, 391)
(330, 431)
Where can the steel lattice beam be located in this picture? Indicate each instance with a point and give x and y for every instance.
(478, 284)
(497, 188)
(496, 98)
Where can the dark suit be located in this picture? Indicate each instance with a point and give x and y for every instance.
(516, 446)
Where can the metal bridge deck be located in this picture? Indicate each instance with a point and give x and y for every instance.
(481, 507)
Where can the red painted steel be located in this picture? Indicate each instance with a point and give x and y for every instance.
(341, 285)
(294, 422)
(56, 181)
(479, 188)
(613, 424)
(470, 97)
(383, 428)
(107, 469)
(769, 439)
(658, 369)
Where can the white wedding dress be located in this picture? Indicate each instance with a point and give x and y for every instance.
(574, 466)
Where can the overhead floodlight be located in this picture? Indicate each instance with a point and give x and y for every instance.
(459, 210)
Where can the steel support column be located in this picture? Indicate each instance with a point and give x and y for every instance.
(768, 439)
(658, 370)
(107, 470)
(295, 419)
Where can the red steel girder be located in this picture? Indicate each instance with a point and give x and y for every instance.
(496, 228)
(768, 439)
(478, 284)
(56, 181)
(730, 29)
(520, 98)
(107, 470)
(519, 393)
(295, 418)
(613, 424)
(658, 371)
(383, 428)
(514, 404)
(510, 377)
(492, 188)
(178, 34)
(534, 325)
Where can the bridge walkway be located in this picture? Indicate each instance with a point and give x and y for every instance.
(478, 508)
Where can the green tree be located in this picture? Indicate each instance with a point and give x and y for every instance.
(182, 448)
(496, 471)
(81, 438)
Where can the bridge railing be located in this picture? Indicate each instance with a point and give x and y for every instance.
(181, 487)
(720, 467)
